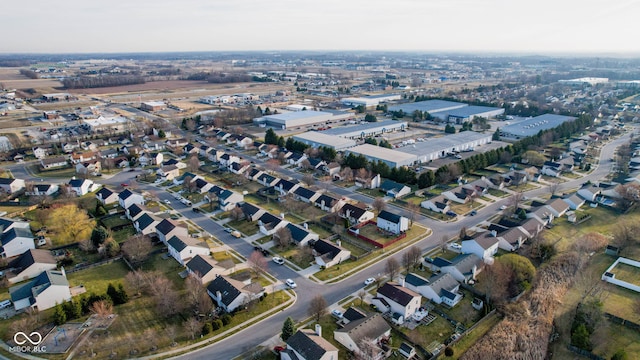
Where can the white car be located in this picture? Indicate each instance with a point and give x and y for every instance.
(337, 314)
(369, 281)
(455, 246)
(278, 260)
(503, 207)
(291, 284)
(167, 202)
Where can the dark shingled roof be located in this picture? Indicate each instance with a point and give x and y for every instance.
(372, 327)
(31, 257)
(125, 194)
(37, 285)
(297, 233)
(309, 345)
(397, 293)
(352, 211)
(391, 217)
(304, 192)
(328, 200)
(323, 248)
(228, 292)
(415, 280)
(144, 221)
(200, 265)
(104, 193)
(165, 226)
(353, 314)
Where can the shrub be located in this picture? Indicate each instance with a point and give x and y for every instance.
(620, 355)
(216, 324)
(207, 328)
(448, 351)
(226, 319)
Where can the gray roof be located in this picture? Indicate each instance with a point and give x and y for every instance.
(442, 281)
(397, 293)
(428, 105)
(465, 262)
(14, 233)
(297, 233)
(371, 327)
(415, 280)
(446, 142)
(165, 226)
(145, 220)
(368, 127)
(200, 265)
(38, 285)
(467, 111)
(309, 345)
(31, 257)
(534, 125)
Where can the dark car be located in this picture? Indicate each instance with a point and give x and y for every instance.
(451, 213)
(265, 252)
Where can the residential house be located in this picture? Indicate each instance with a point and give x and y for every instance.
(167, 228)
(509, 238)
(238, 167)
(574, 201)
(205, 151)
(146, 223)
(106, 196)
(227, 159)
(440, 288)
(328, 254)
(83, 157)
(253, 173)
(250, 211)
(286, 186)
(352, 314)
(54, 162)
(394, 190)
(301, 236)
(307, 344)
(180, 180)
(228, 199)
(127, 198)
(316, 163)
(456, 195)
(205, 268)
(269, 223)
(332, 170)
(69, 147)
(354, 214)
(439, 204)
(557, 207)
(328, 203)
(464, 267)
(30, 264)
(190, 149)
(45, 291)
(589, 193)
(484, 246)
(372, 181)
(231, 294)
(393, 223)
(82, 186)
(400, 300)
(108, 153)
(533, 226)
(243, 141)
(134, 211)
(151, 159)
(202, 185)
(43, 189)
(184, 248)
(306, 195)
(373, 328)
(89, 167)
(168, 172)
(551, 168)
(267, 180)
(296, 159)
(11, 186)
(40, 153)
(176, 163)
(542, 214)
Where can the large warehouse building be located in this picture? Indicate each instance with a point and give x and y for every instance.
(317, 139)
(430, 106)
(532, 126)
(467, 113)
(298, 119)
(370, 100)
(373, 153)
(435, 148)
(367, 129)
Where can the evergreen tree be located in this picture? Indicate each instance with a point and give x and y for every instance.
(496, 135)
(270, 136)
(162, 134)
(112, 293)
(281, 141)
(288, 329)
(59, 315)
(122, 294)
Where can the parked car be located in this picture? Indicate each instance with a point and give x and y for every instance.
(167, 202)
(369, 281)
(336, 314)
(473, 213)
(503, 207)
(236, 234)
(455, 246)
(291, 284)
(278, 260)
(124, 184)
(451, 213)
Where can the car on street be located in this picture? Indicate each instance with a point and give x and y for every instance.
(229, 230)
(337, 314)
(124, 184)
(455, 246)
(167, 202)
(369, 281)
(473, 213)
(278, 260)
(291, 284)
(503, 207)
(451, 213)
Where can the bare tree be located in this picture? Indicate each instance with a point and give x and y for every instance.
(305, 164)
(515, 200)
(443, 242)
(415, 256)
(392, 268)
(172, 332)
(414, 209)
(102, 308)
(193, 163)
(553, 187)
(308, 179)
(495, 285)
(137, 249)
(346, 173)
(197, 296)
(282, 237)
(257, 263)
(273, 165)
(167, 299)
(136, 281)
(361, 295)
(236, 213)
(463, 233)
(317, 307)
(379, 204)
(192, 327)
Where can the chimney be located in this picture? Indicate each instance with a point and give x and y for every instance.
(494, 233)
(319, 330)
(282, 216)
(64, 273)
(306, 226)
(401, 281)
(218, 295)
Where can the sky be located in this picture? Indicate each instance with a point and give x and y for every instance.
(511, 26)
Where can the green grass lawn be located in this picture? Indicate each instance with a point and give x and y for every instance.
(322, 232)
(114, 220)
(123, 234)
(370, 192)
(58, 173)
(294, 254)
(438, 330)
(463, 312)
(169, 267)
(224, 255)
(355, 250)
(498, 193)
(96, 279)
(628, 273)
(244, 226)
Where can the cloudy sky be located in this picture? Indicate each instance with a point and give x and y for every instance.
(540, 26)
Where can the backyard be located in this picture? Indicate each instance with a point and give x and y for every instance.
(628, 273)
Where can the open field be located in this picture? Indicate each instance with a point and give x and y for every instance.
(158, 86)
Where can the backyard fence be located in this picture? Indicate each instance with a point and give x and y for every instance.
(584, 353)
(621, 321)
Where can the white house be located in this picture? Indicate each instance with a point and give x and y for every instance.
(439, 204)
(328, 203)
(393, 223)
(11, 186)
(589, 193)
(441, 288)
(146, 223)
(106, 196)
(43, 292)
(135, 211)
(355, 215)
(574, 201)
(168, 172)
(307, 344)
(205, 269)
(228, 199)
(16, 240)
(40, 153)
(463, 267)
(82, 186)
(557, 207)
(168, 228)
(52, 163)
(29, 265)
(184, 248)
(484, 246)
(401, 300)
(151, 159)
(269, 223)
(328, 254)
(301, 236)
(373, 328)
(370, 182)
(230, 294)
(127, 198)
(43, 189)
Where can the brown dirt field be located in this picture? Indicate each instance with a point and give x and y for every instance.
(11, 74)
(26, 83)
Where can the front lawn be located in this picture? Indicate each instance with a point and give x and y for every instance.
(294, 254)
(246, 227)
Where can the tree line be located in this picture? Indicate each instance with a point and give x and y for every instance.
(83, 82)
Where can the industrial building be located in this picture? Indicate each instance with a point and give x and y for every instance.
(116, 123)
(435, 148)
(317, 139)
(430, 106)
(298, 119)
(367, 129)
(585, 81)
(153, 106)
(532, 126)
(370, 100)
(467, 113)
(373, 153)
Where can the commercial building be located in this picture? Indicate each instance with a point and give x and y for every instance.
(153, 106)
(299, 119)
(116, 123)
(370, 100)
(532, 126)
(435, 148)
(584, 81)
(317, 139)
(467, 113)
(367, 129)
(430, 106)
(393, 158)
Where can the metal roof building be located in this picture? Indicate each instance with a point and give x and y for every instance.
(393, 158)
(316, 139)
(370, 100)
(435, 148)
(467, 113)
(302, 118)
(532, 126)
(428, 106)
(367, 129)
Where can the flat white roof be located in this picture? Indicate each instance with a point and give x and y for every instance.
(432, 145)
(428, 106)
(101, 121)
(296, 115)
(154, 103)
(385, 154)
(358, 129)
(324, 139)
(534, 125)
